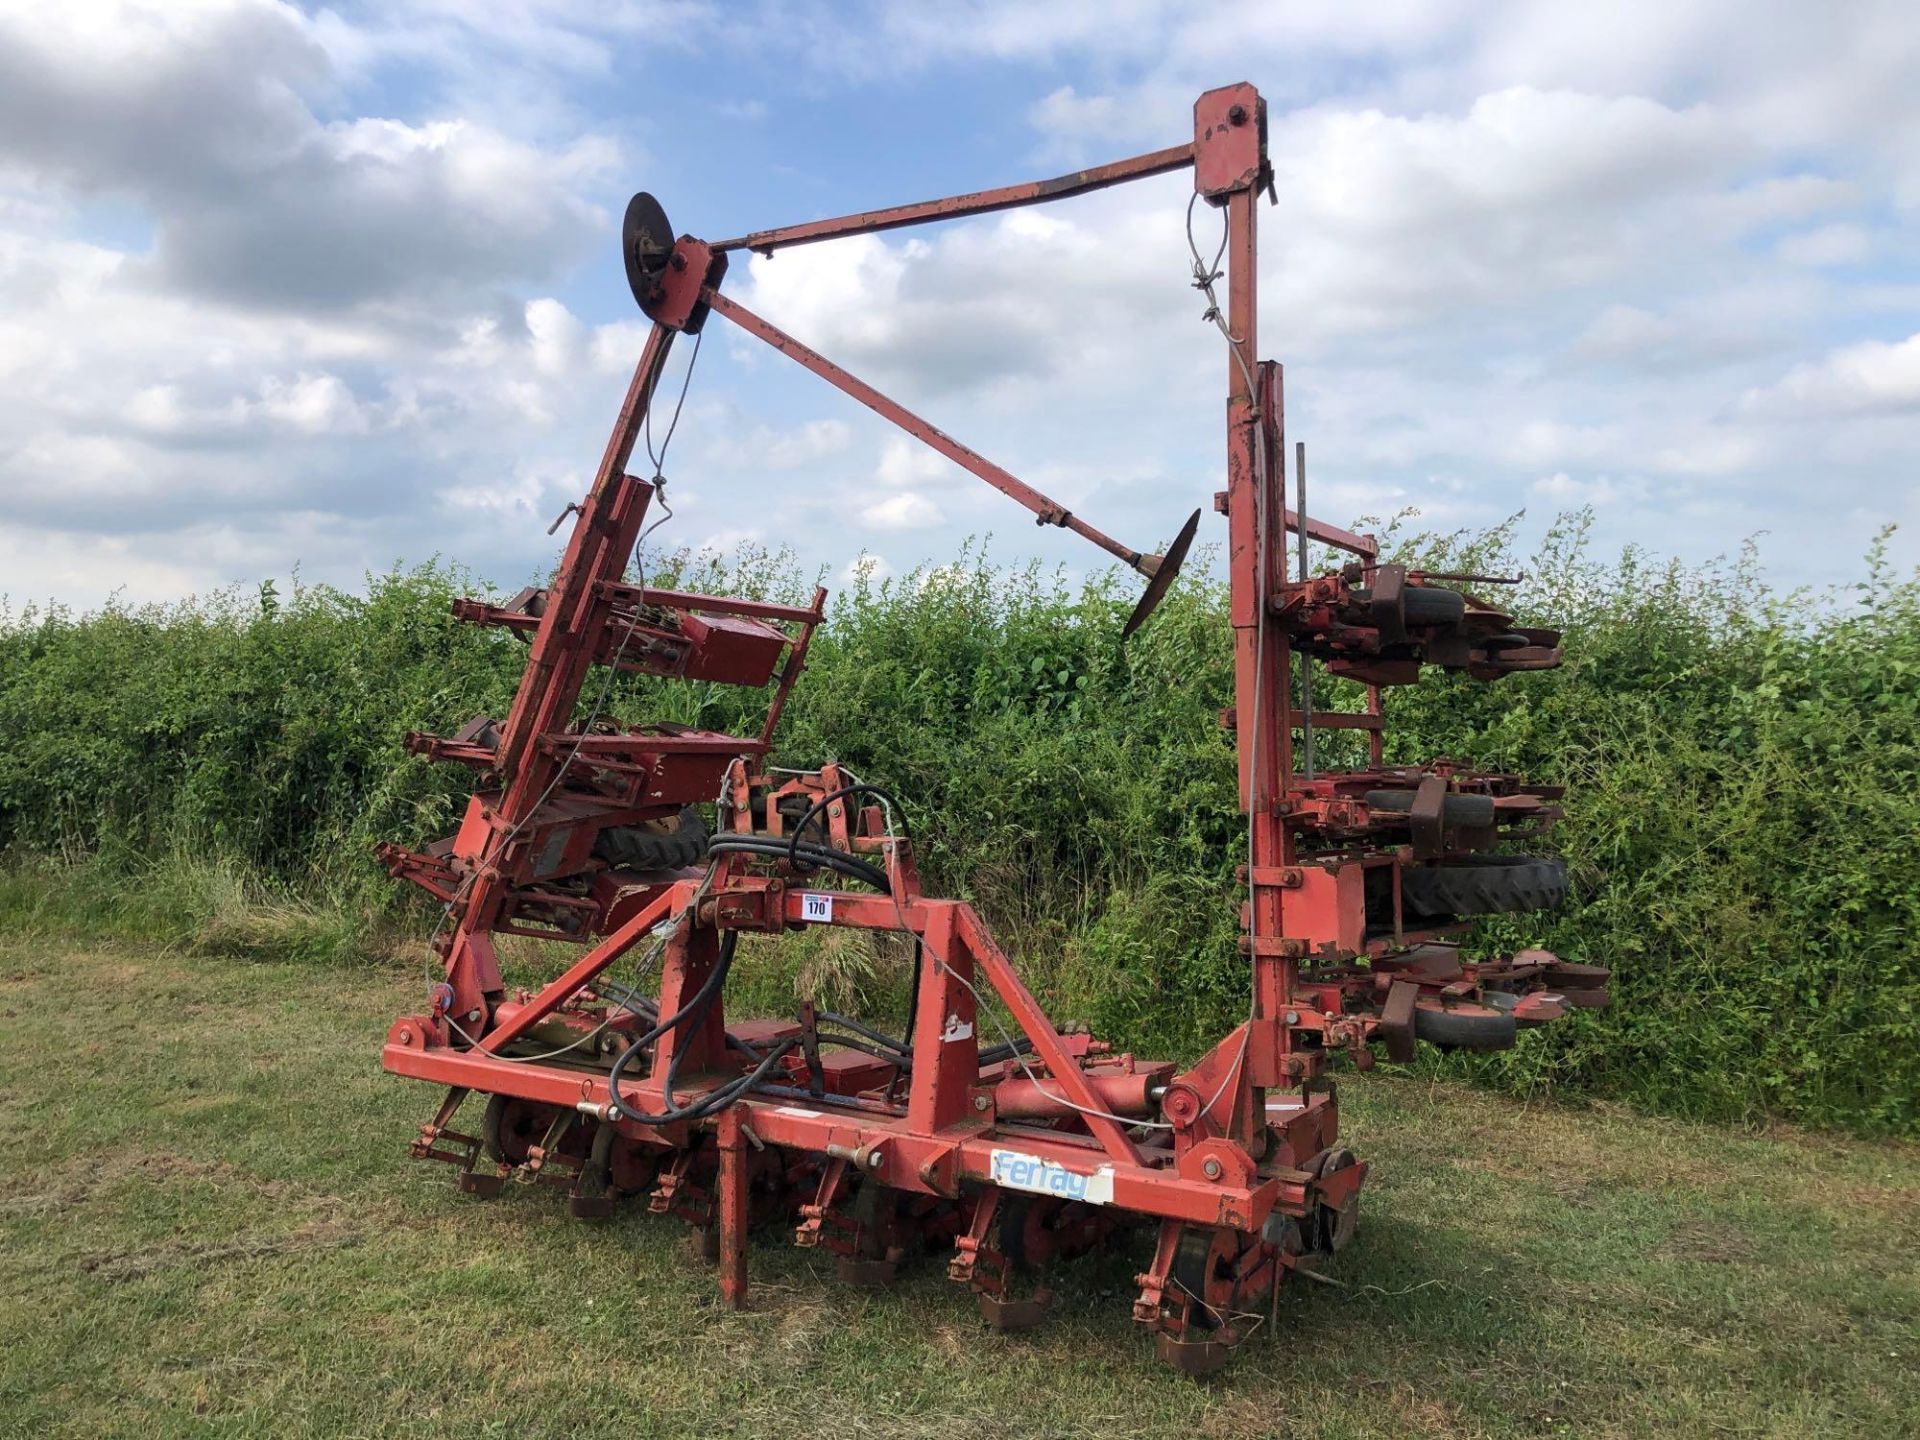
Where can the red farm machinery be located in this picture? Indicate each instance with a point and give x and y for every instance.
(985, 1130)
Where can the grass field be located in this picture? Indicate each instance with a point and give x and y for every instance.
(210, 1228)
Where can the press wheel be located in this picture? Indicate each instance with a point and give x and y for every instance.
(512, 1127)
(1224, 1273)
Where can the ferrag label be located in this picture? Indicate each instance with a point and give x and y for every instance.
(1016, 1171)
(817, 909)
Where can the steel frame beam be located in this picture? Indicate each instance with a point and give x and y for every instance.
(957, 207)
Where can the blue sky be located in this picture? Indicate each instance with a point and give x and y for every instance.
(331, 288)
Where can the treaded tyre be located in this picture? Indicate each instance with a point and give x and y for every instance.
(636, 847)
(1468, 1028)
(1432, 605)
(1484, 885)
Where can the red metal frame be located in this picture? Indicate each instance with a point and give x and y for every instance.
(1017, 1150)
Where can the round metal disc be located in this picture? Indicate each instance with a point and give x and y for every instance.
(1163, 577)
(646, 242)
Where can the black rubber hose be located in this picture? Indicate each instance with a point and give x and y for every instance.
(850, 1042)
(913, 986)
(696, 1010)
(717, 1100)
(850, 1102)
(701, 999)
(900, 812)
(899, 1047)
(697, 1007)
(819, 807)
(818, 855)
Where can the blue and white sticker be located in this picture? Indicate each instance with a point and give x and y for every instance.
(816, 908)
(1016, 1171)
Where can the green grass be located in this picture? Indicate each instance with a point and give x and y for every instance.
(209, 1227)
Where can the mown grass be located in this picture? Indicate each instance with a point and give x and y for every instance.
(210, 1229)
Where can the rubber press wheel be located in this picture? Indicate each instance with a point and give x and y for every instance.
(1484, 885)
(1023, 1232)
(876, 1208)
(1214, 1268)
(1032, 1231)
(512, 1127)
(663, 845)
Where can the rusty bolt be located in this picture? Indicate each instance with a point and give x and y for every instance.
(1293, 1017)
(679, 261)
(1212, 1168)
(980, 1103)
(473, 1014)
(1237, 115)
(406, 1036)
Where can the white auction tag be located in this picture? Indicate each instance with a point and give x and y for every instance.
(816, 908)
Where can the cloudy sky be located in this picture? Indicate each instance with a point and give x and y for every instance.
(333, 288)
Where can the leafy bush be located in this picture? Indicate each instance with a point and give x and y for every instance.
(1744, 766)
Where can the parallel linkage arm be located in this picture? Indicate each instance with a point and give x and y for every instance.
(955, 207)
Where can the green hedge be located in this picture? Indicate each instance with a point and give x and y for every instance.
(1745, 773)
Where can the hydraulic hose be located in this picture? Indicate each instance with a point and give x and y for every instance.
(819, 808)
(817, 855)
(695, 1010)
(701, 1000)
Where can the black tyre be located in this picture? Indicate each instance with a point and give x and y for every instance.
(1473, 811)
(1469, 1028)
(1432, 605)
(1484, 885)
(640, 847)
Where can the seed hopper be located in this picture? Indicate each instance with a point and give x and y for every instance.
(984, 1132)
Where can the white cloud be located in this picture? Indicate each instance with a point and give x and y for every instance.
(865, 566)
(909, 510)
(1839, 244)
(202, 112)
(729, 539)
(1623, 331)
(1708, 452)
(355, 268)
(1563, 492)
(557, 336)
(1549, 442)
(313, 405)
(1867, 378)
(815, 440)
(721, 436)
(906, 462)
